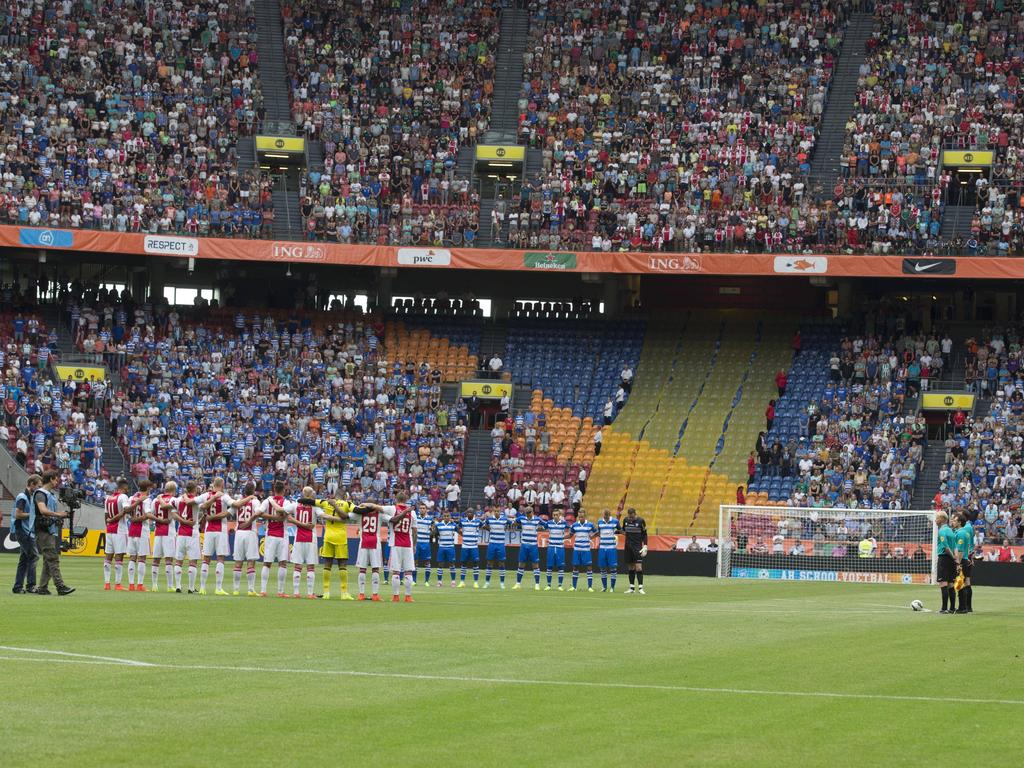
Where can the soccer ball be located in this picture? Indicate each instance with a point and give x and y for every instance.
(917, 605)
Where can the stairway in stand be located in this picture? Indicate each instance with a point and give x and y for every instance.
(476, 462)
(842, 99)
(928, 481)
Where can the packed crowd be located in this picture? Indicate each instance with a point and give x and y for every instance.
(126, 116)
(392, 92)
(855, 447)
(671, 128)
(259, 398)
(983, 467)
(46, 424)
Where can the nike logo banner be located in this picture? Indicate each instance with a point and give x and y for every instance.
(929, 266)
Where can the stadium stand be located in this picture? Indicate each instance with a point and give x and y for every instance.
(126, 117)
(392, 93)
(840, 435)
(982, 468)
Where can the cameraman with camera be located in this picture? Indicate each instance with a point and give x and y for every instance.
(48, 525)
(23, 528)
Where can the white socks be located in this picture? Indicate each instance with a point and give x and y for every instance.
(220, 575)
(106, 572)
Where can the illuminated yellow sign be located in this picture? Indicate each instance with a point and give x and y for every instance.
(947, 401)
(509, 153)
(81, 372)
(486, 389)
(970, 157)
(284, 144)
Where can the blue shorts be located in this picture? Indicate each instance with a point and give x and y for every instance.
(423, 552)
(446, 555)
(581, 557)
(556, 557)
(607, 558)
(496, 552)
(528, 554)
(470, 555)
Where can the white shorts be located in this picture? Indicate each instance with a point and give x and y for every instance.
(275, 549)
(305, 553)
(164, 546)
(215, 544)
(402, 560)
(186, 548)
(138, 545)
(247, 546)
(368, 558)
(117, 544)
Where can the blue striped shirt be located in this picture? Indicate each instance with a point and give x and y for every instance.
(446, 533)
(556, 532)
(581, 534)
(529, 526)
(497, 526)
(607, 530)
(423, 525)
(470, 532)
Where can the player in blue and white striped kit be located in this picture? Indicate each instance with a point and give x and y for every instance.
(470, 552)
(447, 531)
(583, 534)
(607, 554)
(424, 527)
(528, 525)
(497, 528)
(556, 529)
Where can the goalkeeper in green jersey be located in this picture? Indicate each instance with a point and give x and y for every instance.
(335, 549)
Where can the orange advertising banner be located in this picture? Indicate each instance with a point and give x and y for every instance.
(755, 264)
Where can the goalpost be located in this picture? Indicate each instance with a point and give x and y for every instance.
(810, 544)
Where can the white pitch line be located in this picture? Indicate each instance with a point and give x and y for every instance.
(110, 659)
(81, 658)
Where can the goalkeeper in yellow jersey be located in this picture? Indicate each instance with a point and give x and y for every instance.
(335, 549)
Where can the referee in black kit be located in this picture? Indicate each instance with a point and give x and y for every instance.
(636, 548)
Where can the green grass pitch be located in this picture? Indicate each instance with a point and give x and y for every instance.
(697, 672)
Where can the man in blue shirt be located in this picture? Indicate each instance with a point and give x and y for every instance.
(607, 549)
(556, 528)
(447, 531)
(496, 526)
(528, 525)
(470, 552)
(23, 525)
(424, 531)
(583, 533)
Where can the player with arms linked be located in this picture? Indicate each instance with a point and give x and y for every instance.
(528, 555)
(470, 551)
(583, 532)
(496, 526)
(556, 528)
(371, 517)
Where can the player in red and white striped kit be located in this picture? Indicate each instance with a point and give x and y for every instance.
(302, 514)
(186, 545)
(215, 507)
(402, 543)
(247, 543)
(164, 541)
(275, 544)
(116, 507)
(372, 517)
(138, 537)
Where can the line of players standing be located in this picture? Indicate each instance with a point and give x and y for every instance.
(410, 532)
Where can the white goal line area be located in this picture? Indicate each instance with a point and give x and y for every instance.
(50, 656)
(827, 544)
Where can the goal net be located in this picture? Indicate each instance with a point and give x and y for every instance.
(795, 544)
